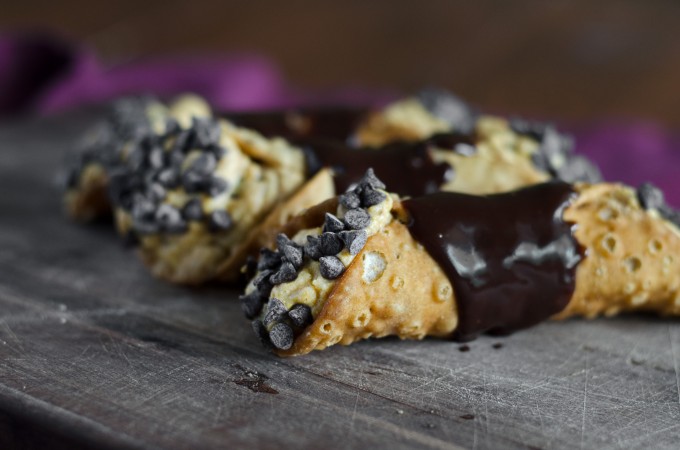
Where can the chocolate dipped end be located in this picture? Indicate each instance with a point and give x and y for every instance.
(408, 168)
(511, 258)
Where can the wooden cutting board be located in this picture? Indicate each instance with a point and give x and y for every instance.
(96, 353)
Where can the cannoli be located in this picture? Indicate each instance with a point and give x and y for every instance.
(105, 148)
(452, 265)
(508, 146)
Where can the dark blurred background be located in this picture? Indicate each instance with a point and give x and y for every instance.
(562, 59)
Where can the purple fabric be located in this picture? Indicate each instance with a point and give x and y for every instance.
(43, 74)
(635, 153)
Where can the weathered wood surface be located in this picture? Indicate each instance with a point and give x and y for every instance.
(94, 352)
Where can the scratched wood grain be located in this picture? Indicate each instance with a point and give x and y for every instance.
(96, 353)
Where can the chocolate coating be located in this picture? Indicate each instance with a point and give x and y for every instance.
(407, 167)
(510, 257)
(332, 123)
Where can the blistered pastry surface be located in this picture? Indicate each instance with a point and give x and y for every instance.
(632, 255)
(409, 296)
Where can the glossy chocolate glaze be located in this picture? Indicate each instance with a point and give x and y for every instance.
(510, 257)
(335, 123)
(406, 167)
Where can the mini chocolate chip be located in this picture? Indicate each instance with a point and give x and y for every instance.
(135, 160)
(207, 131)
(168, 178)
(331, 267)
(220, 220)
(156, 192)
(332, 224)
(251, 304)
(312, 248)
(281, 335)
(269, 259)
(285, 274)
(330, 244)
(175, 159)
(156, 157)
(262, 333)
(217, 186)
(534, 130)
(170, 219)
(357, 219)
(370, 197)
(448, 107)
(262, 282)
(192, 210)
(300, 315)
(204, 164)
(194, 181)
(283, 240)
(350, 200)
(276, 311)
(370, 179)
(650, 196)
(354, 240)
(293, 254)
(182, 141)
(670, 215)
(143, 209)
(578, 168)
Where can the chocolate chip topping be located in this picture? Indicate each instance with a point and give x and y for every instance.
(285, 274)
(276, 311)
(282, 265)
(220, 220)
(262, 333)
(357, 219)
(300, 315)
(508, 274)
(332, 224)
(354, 240)
(313, 248)
(293, 254)
(170, 219)
(262, 282)
(449, 108)
(193, 210)
(269, 260)
(555, 154)
(156, 164)
(371, 197)
(651, 197)
(330, 244)
(350, 200)
(331, 267)
(251, 304)
(281, 336)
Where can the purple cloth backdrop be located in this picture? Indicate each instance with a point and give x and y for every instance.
(41, 73)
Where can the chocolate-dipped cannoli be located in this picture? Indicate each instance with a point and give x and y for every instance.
(452, 265)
